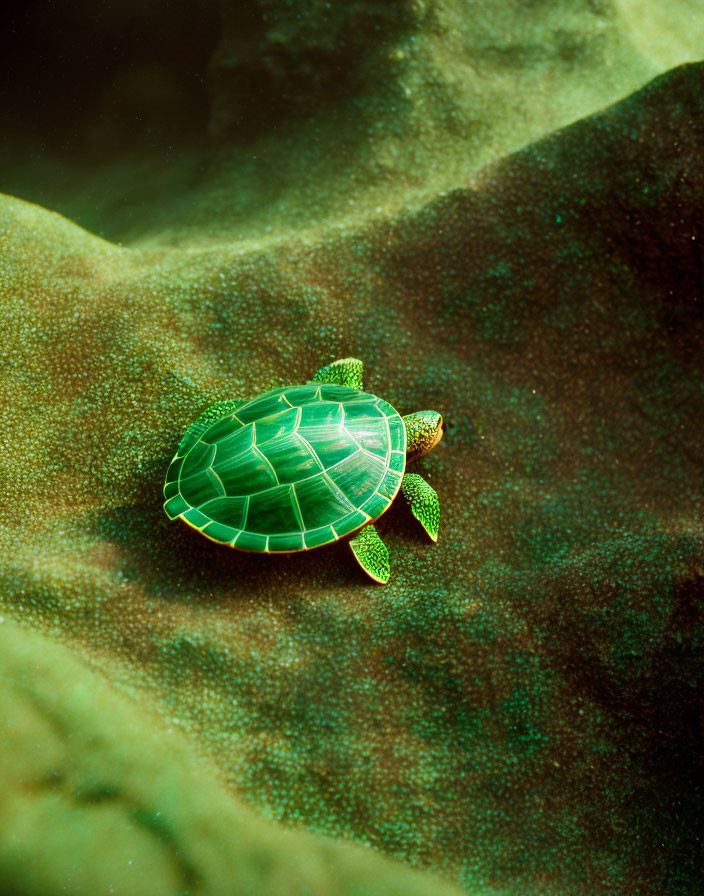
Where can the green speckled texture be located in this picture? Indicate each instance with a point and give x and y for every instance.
(424, 501)
(372, 554)
(344, 372)
(96, 799)
(518, 711)
(423, 431)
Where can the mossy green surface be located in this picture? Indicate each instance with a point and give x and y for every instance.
(246, 119)
(518, 708)
(97, 798)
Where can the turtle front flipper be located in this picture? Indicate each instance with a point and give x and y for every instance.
(345, 372)
(372, 554)
(424, 501)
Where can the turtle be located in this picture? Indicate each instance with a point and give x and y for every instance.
(303, 466)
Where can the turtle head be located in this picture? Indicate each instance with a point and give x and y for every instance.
(423, 432)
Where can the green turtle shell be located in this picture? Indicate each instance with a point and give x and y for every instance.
(293, 469)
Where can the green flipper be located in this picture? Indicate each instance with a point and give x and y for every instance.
(372, 554)
(206, 419)
(424, 501)
(345, 372)
(175, 505)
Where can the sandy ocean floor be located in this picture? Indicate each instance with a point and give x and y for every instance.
(497, 206)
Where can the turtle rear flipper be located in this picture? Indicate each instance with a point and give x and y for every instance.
(209, 416)
(174, 505)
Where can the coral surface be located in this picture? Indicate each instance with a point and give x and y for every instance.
(518, 710)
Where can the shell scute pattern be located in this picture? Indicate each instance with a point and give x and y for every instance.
(293, 469)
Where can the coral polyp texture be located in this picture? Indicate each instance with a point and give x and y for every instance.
(517, 710)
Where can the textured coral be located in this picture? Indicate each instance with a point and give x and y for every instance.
(94, 799)
(291, 114)
(518, 708)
